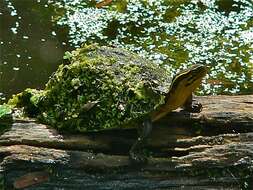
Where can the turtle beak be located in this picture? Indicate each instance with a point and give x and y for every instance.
(204, 70)
(200, 71)
(195, 75)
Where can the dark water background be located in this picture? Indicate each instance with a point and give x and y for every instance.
(34, 34)
(31, 45)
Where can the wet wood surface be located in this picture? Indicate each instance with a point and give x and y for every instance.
(208, 150)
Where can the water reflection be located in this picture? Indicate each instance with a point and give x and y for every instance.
(31, 46)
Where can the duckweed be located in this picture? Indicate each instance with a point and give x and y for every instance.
(174, 34)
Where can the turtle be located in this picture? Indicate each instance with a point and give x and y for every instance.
(101, 88)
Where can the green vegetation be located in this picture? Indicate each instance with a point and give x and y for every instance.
(101, 88)
(5, 112)
(28, 100)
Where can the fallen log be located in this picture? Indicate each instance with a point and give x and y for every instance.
(208, 150)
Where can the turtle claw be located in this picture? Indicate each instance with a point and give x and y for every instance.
(137, 158)
(193, 106)
(136, 154)
(196, 107)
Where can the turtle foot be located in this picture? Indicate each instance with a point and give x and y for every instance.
(137, 158)
(136, 155)
(195, 107)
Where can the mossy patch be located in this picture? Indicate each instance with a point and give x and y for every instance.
(5, 110)
(28, 100)
(5, 113)
(101, 88)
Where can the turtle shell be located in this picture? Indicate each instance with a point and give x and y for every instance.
(102, 88)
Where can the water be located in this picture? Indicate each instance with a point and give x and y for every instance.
(172, 33)
(31, 45)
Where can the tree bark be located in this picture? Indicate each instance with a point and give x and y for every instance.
(208, 150)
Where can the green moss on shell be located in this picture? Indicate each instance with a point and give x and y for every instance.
(29, 100)
(5, 111)
(102, 88)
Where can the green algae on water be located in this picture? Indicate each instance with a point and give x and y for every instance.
(174, 34)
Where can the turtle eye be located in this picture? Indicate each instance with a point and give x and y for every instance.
(191, 79)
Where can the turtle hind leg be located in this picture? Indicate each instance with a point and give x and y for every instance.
(192, 105)
(136, 154)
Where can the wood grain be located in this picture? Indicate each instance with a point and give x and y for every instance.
(208, 150)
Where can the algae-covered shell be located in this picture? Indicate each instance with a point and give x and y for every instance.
(101, 88)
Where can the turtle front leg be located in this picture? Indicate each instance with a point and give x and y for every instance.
(136, 154)
(192, 105)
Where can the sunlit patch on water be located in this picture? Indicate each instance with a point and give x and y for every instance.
(174, 34)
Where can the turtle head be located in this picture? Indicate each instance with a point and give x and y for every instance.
(182, 86)
(184, 83)
(188, 80)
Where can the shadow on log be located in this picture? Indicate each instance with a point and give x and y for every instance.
(208, 150)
